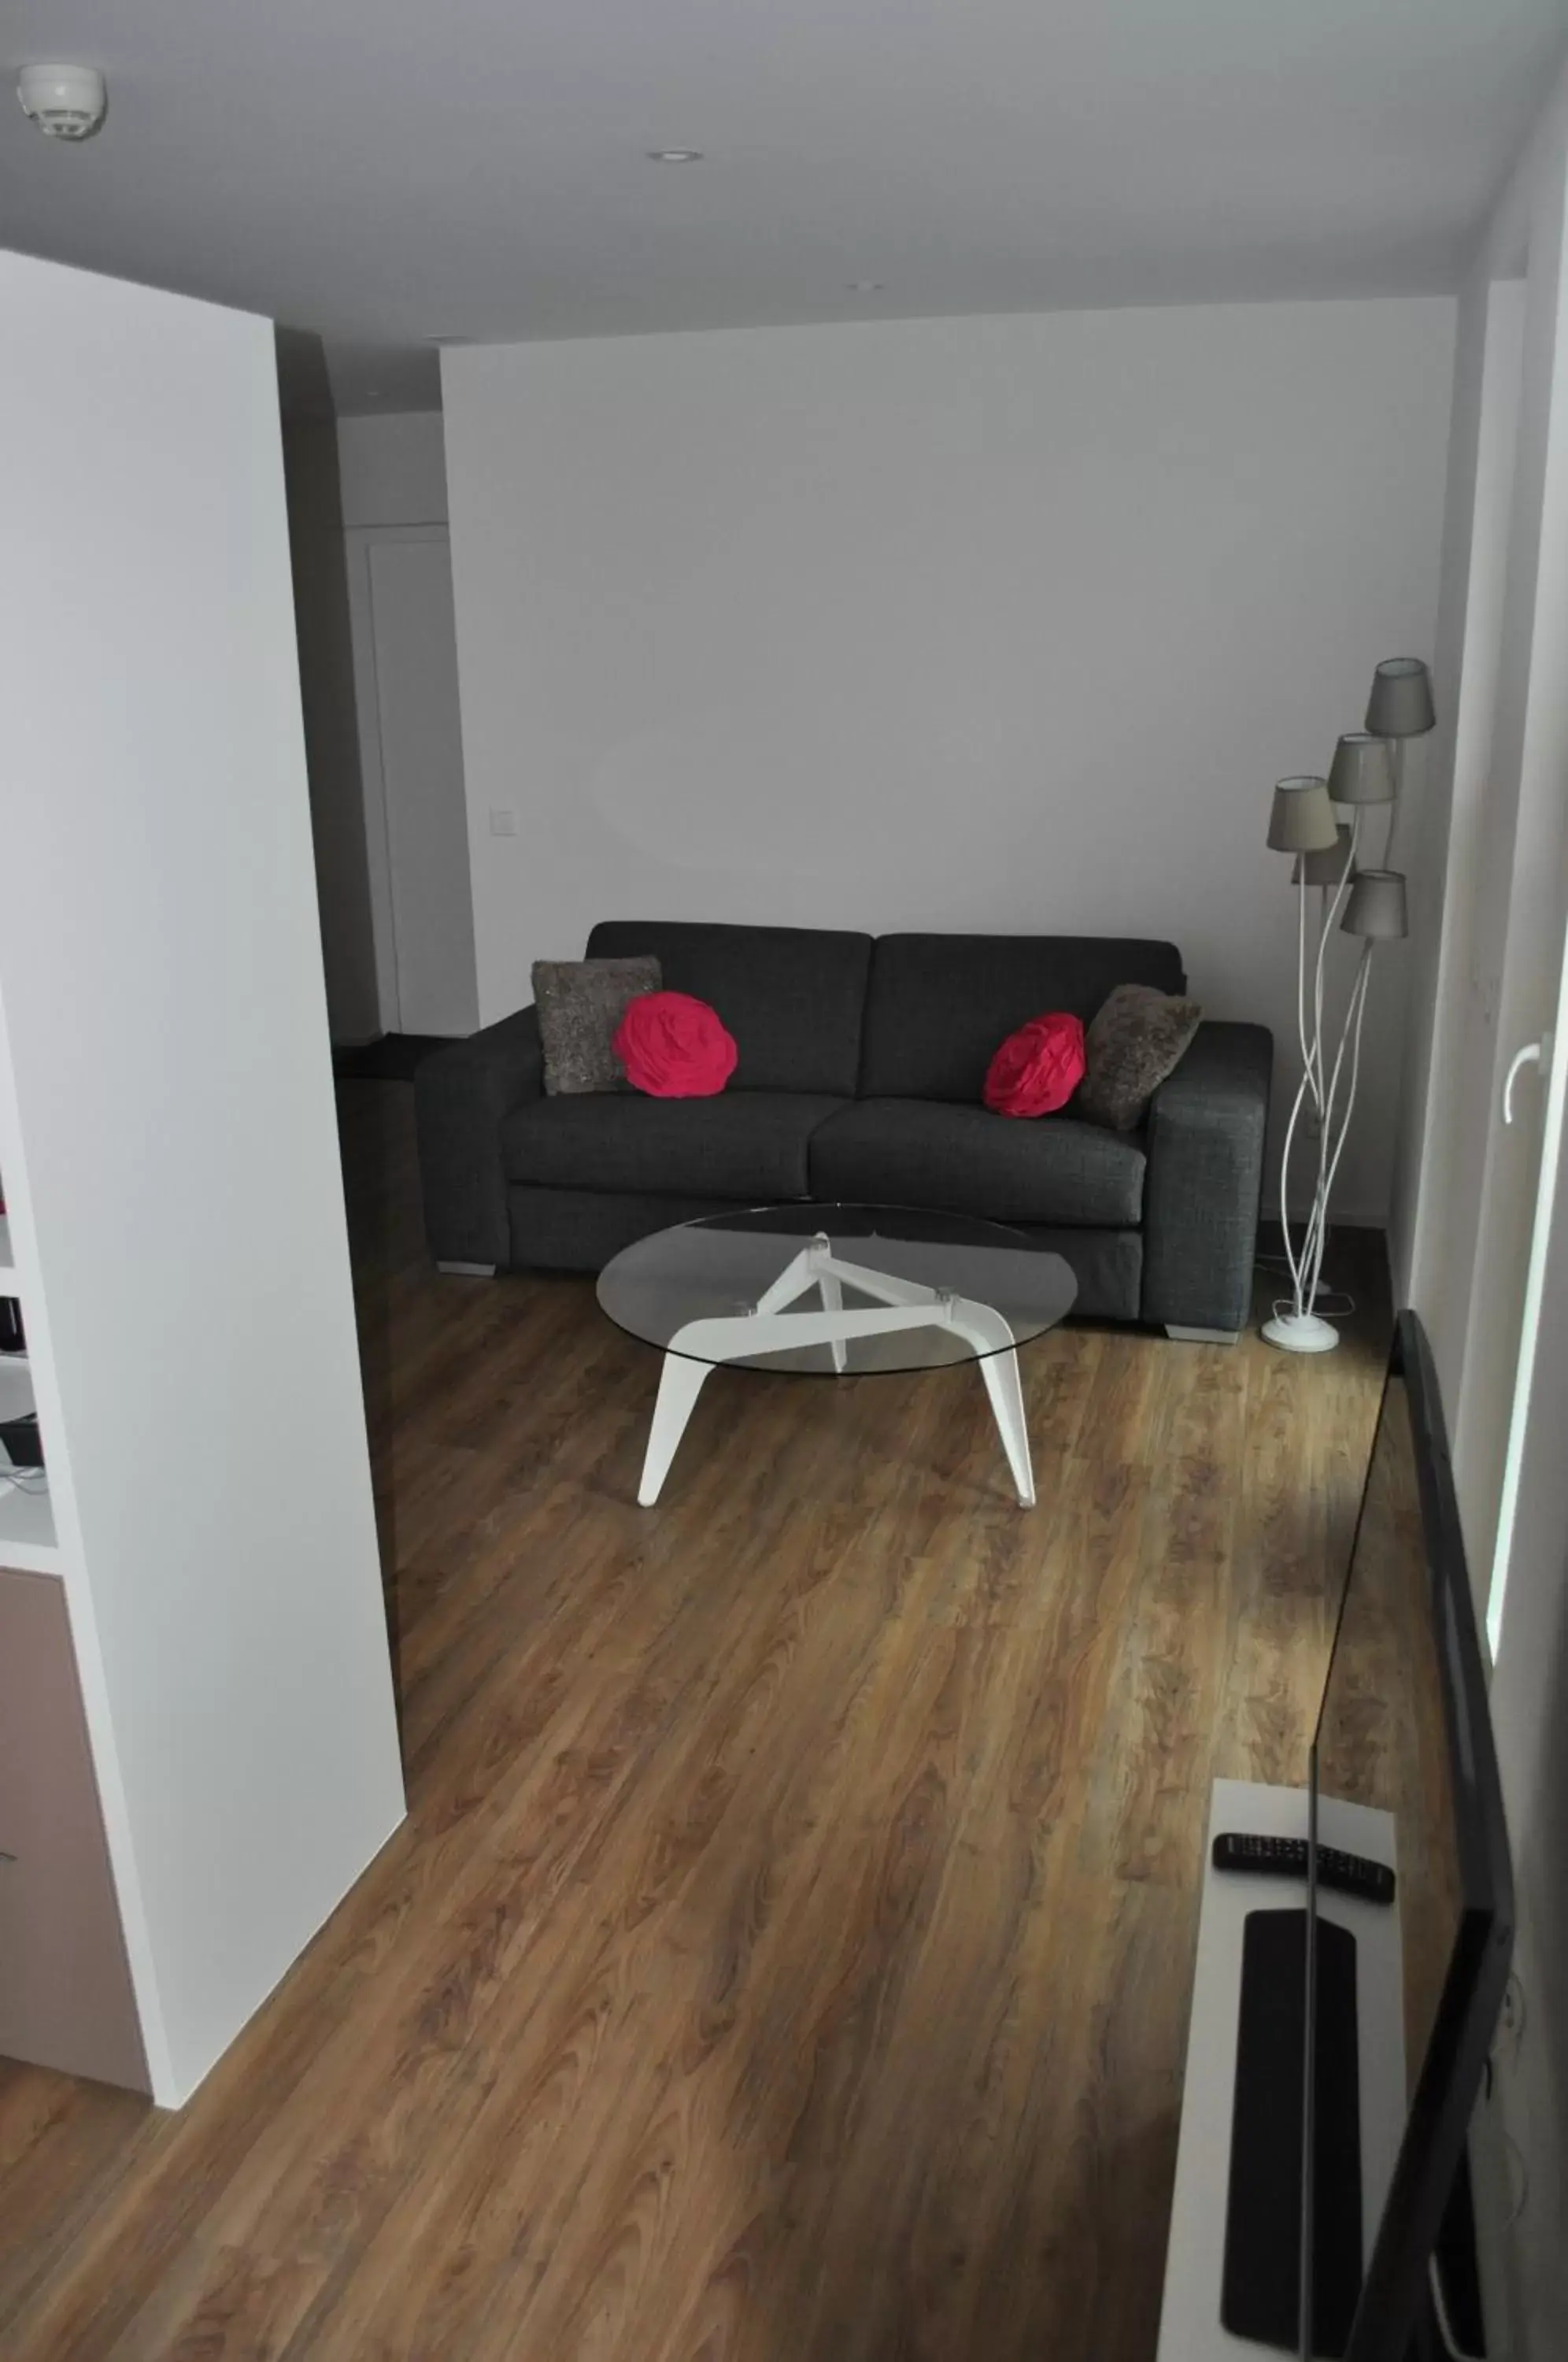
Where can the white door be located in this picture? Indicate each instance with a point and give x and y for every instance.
(1532, 1517)
(414, 754)
(1526, 1625)
(1504, 947)
(1466, 1010)
(1518, 1017)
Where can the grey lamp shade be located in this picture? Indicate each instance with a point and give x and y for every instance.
(1400, 706)
(1361, 772)
(1375, 906)
(1326, 867)
(1302, 820)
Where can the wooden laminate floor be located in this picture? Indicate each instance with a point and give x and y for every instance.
(786, 1954)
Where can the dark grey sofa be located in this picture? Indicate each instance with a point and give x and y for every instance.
(861, 1065)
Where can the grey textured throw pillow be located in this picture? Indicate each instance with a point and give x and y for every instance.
(1138, 1038)
(581, 1003)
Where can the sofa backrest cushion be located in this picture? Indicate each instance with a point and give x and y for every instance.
(792, 996)
(940, 1004)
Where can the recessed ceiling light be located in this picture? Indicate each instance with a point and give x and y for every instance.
(674, 155)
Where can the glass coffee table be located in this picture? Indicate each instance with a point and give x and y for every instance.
(835, 1291)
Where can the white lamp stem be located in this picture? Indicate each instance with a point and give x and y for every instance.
(1311, 1081)
(1355, 1009)
(1302, 1330)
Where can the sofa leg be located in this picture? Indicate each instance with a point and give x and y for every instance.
(470, 1270)
(1201, 1336)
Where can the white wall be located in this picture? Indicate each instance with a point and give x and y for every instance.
(1003, 623)
(398, 575)
(168, 1141)
(411, 759)
(349, 484)
(392, 468)
(325, 638)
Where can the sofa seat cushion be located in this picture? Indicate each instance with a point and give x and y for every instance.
(928, 1153)
(746, 1144)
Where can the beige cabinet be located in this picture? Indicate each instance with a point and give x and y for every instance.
(65, 1988)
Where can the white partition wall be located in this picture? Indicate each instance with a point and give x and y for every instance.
(168, 1151)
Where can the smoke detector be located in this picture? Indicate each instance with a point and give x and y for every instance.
(65, 102)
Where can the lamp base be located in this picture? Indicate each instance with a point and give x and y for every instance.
(1301, 1332)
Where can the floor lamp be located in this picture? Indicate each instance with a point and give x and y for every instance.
(1369, 903)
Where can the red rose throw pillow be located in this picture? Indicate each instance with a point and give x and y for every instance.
(1036, 1070)
(674, 1047)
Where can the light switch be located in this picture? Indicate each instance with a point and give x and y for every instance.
(504, 823)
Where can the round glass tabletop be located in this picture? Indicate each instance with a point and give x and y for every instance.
(836, 1290)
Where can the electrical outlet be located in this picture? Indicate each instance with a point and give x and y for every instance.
(1512, 2020)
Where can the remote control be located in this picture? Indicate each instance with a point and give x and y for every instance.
(1347, 1873)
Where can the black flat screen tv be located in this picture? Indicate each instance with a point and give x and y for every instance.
(1403, 1727)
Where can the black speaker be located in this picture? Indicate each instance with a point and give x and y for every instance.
(21, 1438)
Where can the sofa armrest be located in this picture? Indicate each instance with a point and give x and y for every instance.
(461, 1097)
(1205, 1178)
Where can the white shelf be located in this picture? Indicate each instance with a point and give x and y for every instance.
(27, 1531)
(7, 1268)
(26, 1518)
(15, 1386)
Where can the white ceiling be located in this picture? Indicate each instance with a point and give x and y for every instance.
(384, 172)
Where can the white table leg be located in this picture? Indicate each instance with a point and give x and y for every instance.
(833, 1301)
(990, 1333)
(1005, 1388)
(900, 1304)
(794, 1280)
(679, 1383)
